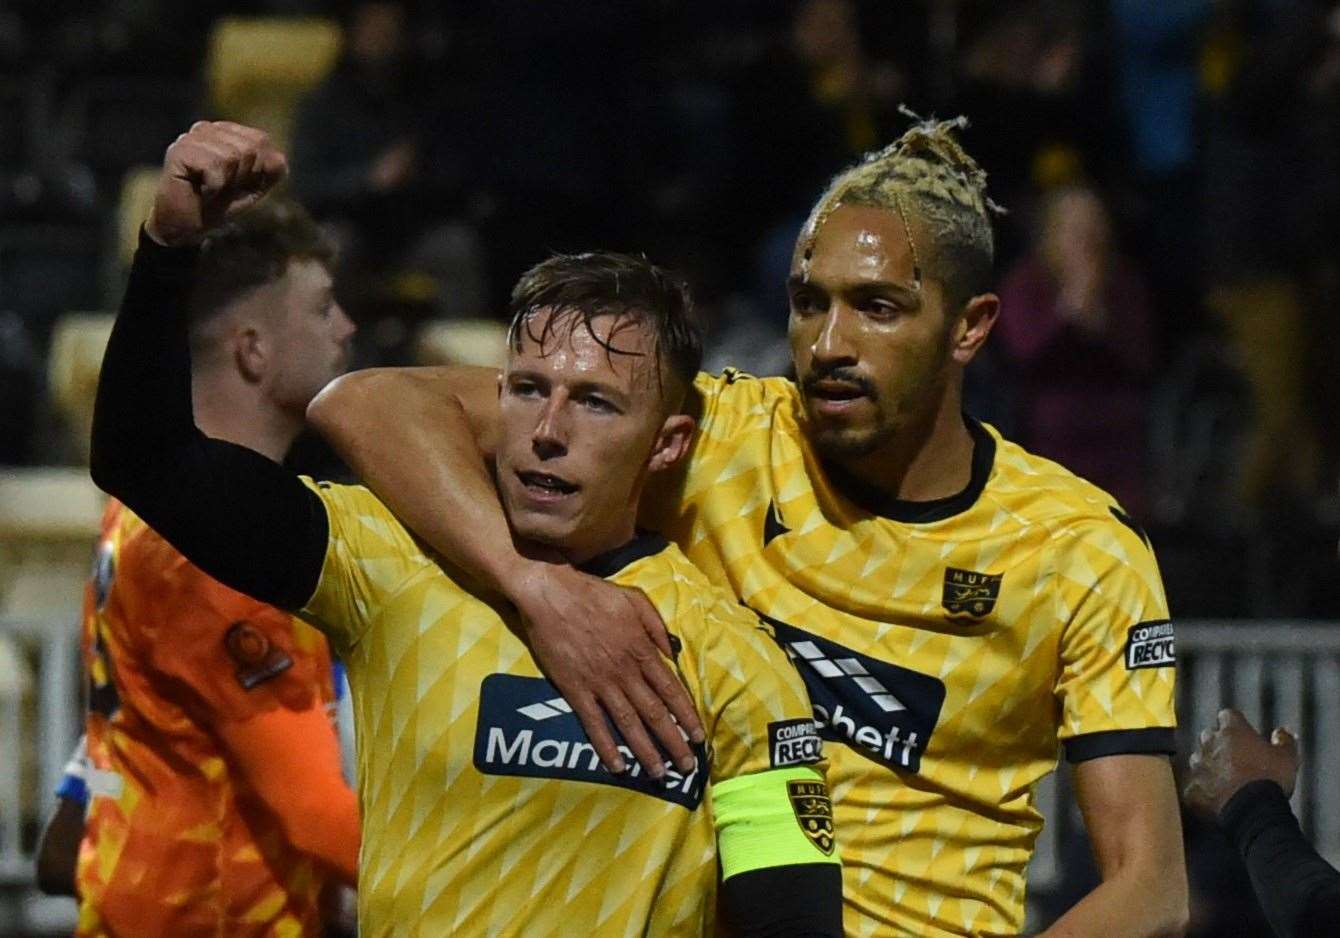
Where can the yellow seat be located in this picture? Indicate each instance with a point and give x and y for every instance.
(462, 342)
(137, 197)
(49, 519)
(77, 345)
(259, 68)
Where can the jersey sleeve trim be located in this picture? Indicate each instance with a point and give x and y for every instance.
(781, 817)
(1150, 740)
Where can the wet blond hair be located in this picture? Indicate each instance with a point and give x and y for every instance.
(938, 191)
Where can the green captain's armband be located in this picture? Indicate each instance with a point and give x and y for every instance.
(782, 817)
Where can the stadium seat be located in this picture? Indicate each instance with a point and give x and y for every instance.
(77, 345)
(137, 197)
(48, 524)
(462, 342)
(260, 67)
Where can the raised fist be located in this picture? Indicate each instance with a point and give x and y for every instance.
(210, 173)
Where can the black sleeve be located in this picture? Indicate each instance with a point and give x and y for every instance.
(800, 901)
(244, 520)
(1298, 890)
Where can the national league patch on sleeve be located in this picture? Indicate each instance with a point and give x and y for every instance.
(257, 659)
(1150, 645)
(794, 742)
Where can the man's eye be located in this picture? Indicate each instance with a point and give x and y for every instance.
(599, 404)
(803, 302)
(881, 309)
(525, 389)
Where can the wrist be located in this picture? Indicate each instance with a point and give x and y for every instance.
(1250, 797)
(520, 579)
(169, 237)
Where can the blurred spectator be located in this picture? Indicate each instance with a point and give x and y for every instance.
(1021, 73)
(813, 102)
(1264, 206)
(371, 154)
(1075, 324)
(1157, 49)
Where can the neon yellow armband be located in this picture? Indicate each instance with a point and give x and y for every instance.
(777, 818)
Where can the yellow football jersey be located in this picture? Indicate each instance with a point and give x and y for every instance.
(486, 810)
(949, 647)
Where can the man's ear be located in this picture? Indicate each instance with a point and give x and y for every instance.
(973, 326)
(672, 443)
(251, 352)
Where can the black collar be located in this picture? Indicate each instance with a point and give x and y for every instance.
(913, 512)
(643, 544)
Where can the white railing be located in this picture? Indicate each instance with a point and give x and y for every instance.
(38, 730)
(1278, 673)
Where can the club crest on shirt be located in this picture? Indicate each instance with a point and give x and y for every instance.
(814, 812)
(256, 657)
(970, 594)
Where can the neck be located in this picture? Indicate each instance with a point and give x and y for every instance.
(238, 412)
(621, 536)
(575, 556)
(929, 459)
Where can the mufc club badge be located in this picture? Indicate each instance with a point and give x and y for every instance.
(970, 594)
(256, 657)
(814, 812)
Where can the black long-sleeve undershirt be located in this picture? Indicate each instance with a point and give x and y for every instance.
(1298, 890)
(241, 518)
(252, 525)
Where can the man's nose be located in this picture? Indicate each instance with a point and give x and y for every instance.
(550, 438)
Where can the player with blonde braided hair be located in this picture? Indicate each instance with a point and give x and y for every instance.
(960, 609)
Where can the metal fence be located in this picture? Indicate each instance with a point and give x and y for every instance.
(1276, 672)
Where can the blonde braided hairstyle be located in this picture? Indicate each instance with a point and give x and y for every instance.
(939, 193)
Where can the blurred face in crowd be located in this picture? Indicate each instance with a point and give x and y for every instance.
(583, 420)
(825, 31)
(871, 349)
(1075, 227)
(377, 34)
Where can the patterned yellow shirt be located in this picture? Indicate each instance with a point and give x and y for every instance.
(948, 646)
(485, 809)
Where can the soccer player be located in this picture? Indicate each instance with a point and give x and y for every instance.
(217, 804)
(485, 808)
(959, 608)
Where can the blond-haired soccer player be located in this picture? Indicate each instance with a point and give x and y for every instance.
(960, 608)
(485, 808)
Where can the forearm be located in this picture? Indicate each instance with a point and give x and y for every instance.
(240, 517)
(291, 760)
(426, 465)
(1298, 890)
(1130, 808)
(1134, 905)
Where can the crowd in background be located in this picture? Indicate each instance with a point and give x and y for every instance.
(1168, 280)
